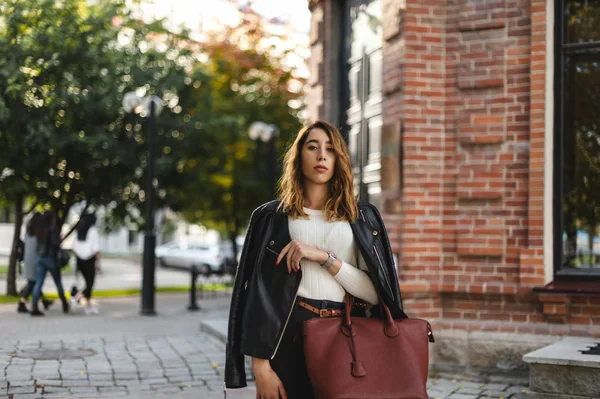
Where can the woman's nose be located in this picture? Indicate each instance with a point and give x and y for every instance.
(322, 155)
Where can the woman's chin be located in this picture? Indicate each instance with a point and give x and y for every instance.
(318, 179)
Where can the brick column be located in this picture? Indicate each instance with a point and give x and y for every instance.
(531, 272)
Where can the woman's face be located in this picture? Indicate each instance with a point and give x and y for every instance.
(318, 157)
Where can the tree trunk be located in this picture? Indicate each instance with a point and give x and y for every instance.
(11, 278)
(236, 203)
(232, 237)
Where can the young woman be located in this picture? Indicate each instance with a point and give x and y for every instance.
(29, 264)
(300, 257)
(87, 251)
(48, 244)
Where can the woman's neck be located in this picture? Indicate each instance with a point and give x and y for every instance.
(315, 195)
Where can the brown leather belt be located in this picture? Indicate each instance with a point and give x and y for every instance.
(322, 312)
(361, 304)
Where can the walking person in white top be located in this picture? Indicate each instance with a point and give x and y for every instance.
(87, 251)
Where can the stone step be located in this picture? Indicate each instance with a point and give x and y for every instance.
(561, 370)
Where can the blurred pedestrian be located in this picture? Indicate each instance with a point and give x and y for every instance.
(29, 264)
(48, 245)
(87, 251)
(301, 255)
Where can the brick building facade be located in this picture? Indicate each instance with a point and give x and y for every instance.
(460, 157)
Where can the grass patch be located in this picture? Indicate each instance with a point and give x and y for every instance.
(128, 292)
(65, 271)
(8, 299)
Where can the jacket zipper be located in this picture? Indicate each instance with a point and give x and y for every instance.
(273, 252)
(377, 254)
(374, 247)
(289, 314)
(285, 325)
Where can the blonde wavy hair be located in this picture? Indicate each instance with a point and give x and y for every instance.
(341, 203)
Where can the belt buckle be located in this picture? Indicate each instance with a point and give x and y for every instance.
(324, 313)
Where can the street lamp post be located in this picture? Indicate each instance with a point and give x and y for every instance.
(267, 134)
(150, 107)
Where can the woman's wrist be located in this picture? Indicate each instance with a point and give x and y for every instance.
(335, 267)
(258, 363)
(323, 256)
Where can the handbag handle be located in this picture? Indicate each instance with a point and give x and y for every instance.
(389, 327)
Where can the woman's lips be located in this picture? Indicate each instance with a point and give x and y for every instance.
(321, 169)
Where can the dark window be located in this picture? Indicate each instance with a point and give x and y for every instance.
(577, 140)
(132, 237)
(6, 215)
(362, 85)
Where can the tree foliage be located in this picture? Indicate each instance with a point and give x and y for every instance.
(65, 138)
(250, 83)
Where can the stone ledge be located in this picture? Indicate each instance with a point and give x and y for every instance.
(560, 370)
(566, 352)
(545, 395)
(489, 351)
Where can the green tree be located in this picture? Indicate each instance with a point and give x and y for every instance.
(249, 83)
(65, 67)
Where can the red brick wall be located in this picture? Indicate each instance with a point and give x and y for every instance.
(466, 79)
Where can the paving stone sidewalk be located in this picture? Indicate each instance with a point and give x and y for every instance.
(122, 354)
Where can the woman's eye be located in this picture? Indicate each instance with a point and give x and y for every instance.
(330, 150)
(312, 147)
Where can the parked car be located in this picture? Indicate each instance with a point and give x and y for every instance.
(207, 258)
(163, 249)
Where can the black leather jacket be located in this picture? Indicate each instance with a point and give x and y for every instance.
(263, 295)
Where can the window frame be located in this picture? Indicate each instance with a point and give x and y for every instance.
(561, 51)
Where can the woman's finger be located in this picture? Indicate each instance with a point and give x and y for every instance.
(282, 392)
(282, 253)
(290, 257)
(297, 258)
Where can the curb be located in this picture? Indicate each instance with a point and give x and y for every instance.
(207, 327)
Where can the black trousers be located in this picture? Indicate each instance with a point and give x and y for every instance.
(28, 289)
(289, 363)
(87, 268)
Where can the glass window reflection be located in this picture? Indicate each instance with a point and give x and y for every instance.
(582, 21)
(581, 162)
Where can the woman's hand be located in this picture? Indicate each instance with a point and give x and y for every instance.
(268, 384)
(296, 251)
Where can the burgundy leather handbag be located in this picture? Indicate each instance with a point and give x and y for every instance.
(359, 358)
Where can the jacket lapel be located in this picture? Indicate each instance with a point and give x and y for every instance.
(280, 235)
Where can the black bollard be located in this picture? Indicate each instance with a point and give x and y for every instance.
(193, 306)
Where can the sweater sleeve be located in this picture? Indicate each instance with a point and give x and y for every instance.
(357, 282)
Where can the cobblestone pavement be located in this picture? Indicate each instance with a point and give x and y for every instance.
(122, 354)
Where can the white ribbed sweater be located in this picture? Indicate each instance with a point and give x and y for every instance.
(336, 237)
